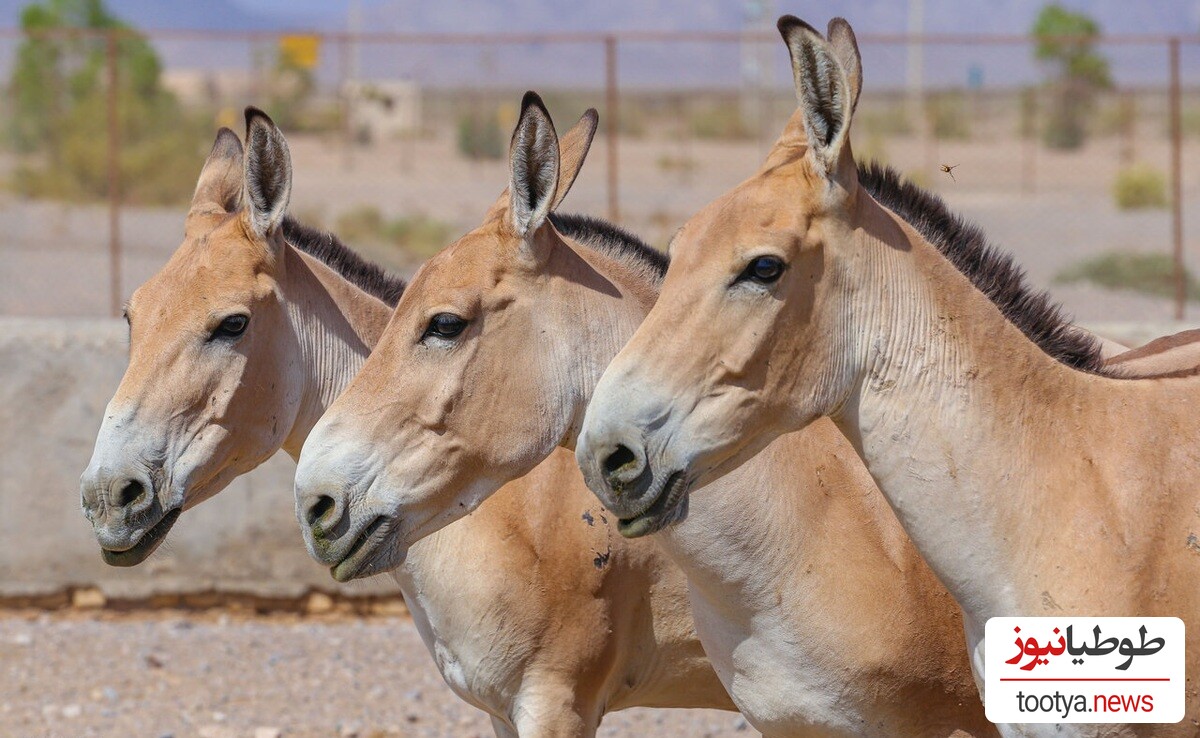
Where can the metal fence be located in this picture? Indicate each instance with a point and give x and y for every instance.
(398, 143)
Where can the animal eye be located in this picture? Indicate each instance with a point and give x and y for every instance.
(231, 327)
(445, 325)
(764, 269)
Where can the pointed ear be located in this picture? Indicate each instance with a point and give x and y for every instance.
(573, 149)
(220, 183)
(533, 156)
(268, 177)
(845, 48)
(821, 88)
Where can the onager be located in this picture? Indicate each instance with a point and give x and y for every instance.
(1031, 478)
(239, 344)
(815, 609)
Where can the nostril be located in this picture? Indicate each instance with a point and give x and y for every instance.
(319, 509)
(618, 458)
(130, 493)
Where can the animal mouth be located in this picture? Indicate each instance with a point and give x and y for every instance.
(141, 550)
(669, 507)
(363, 551)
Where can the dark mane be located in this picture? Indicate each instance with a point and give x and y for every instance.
(989, 269)
(613, 241)
(371, 278)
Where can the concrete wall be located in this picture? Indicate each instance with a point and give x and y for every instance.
(56, 376)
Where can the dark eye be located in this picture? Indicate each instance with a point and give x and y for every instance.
(232, 327)
(445, 325)
(764, 269)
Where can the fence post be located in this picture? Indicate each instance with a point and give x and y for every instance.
(611, 128)
(1177, 180)
(114, 176)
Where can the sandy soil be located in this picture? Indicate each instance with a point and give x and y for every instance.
(213, 675)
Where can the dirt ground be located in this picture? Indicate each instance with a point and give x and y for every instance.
(215, 675)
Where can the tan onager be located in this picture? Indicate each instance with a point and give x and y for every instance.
(817, 612)
(236, 348)
(1031, 481)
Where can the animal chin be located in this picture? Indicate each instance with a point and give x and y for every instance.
(669, 507)
(146, 545)
(363, 554)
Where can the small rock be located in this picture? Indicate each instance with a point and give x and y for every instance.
(215, 731)
(88, 599)
(741, 725)
(110, 694)
(22, 639)
(349, 730)
(218, 717)
(318, 603)
(268, 733)
(71, 712)
(153, 661)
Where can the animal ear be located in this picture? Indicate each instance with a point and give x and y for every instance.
(268, 177)
(573, 149)
(821, 89)
(220, 183)
(845, 48)
(533, 157)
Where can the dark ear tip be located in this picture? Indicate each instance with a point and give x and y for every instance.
(789, 24)
(532, 99)
(253, 113)
(226, 144)
(838, 24)
(592, 116)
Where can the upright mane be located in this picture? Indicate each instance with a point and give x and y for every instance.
(328, 248)
(613, 241)
(991, 270)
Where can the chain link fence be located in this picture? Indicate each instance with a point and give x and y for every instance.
(399, 143)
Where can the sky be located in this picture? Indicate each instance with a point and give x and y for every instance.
(660, 65)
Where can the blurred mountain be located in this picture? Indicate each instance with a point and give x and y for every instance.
(659, 65)
(868, 16)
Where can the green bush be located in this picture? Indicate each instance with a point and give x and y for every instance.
(1150, 274)
(481, 137)
(59, 123)
(1140, 186)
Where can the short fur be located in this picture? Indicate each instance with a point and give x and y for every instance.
(371, 278)
(989, 269)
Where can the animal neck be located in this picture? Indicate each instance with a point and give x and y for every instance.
(953, 410)
(336, 324)
(604, 300)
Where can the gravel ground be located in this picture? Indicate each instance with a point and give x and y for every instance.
(214, 675)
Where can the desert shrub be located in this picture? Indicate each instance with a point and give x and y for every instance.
(718, 121)
(948, 118)
(414, 236)
(1140, 186)
(891, 122)
(674, 163)
(481, 137)
(1150, 274)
